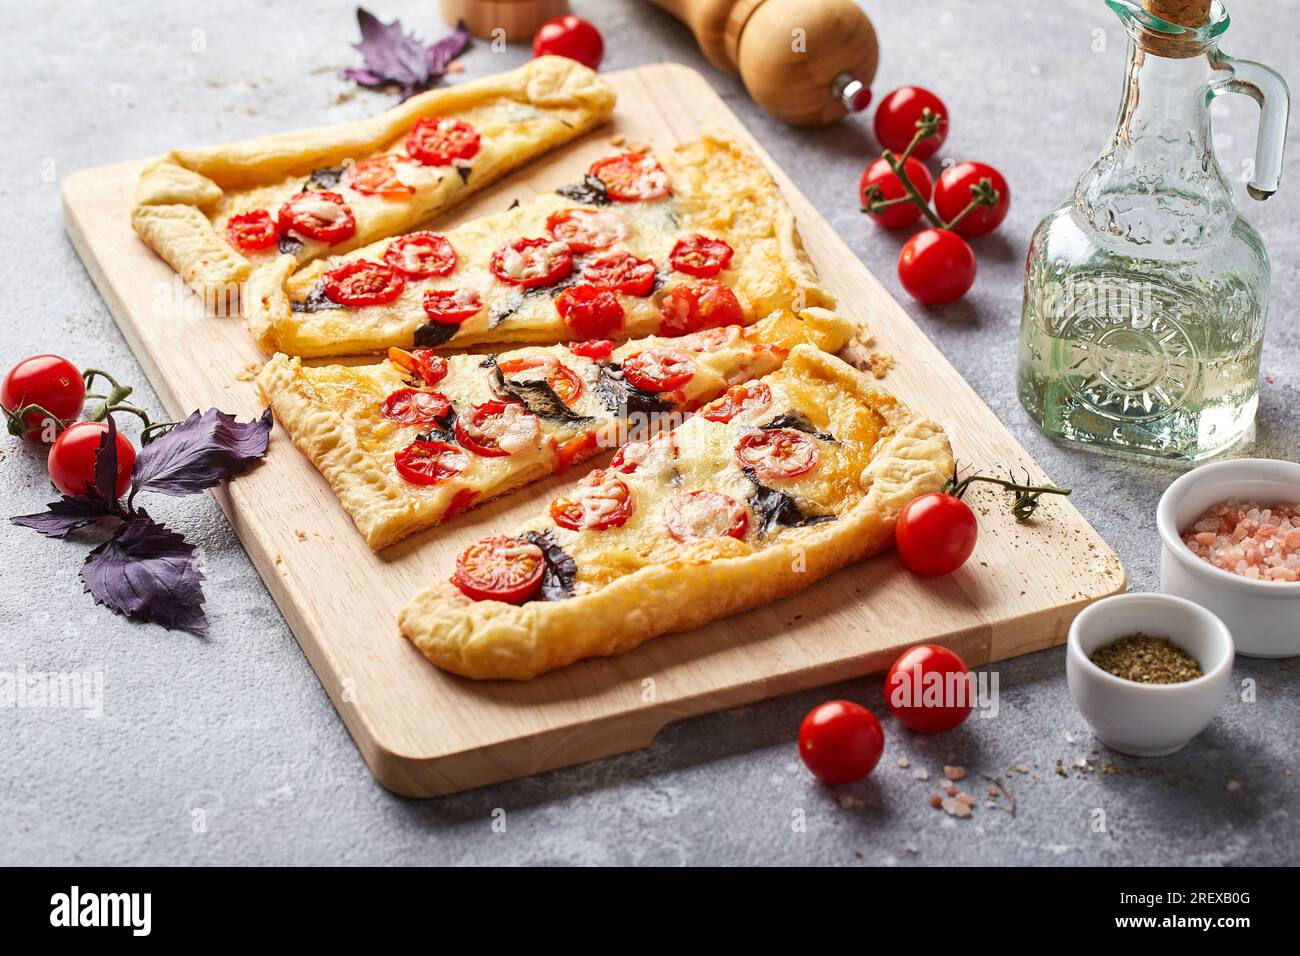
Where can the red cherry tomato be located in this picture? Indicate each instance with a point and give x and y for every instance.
(695, 515)
(579, 446)
(928, 689)
(777, 453)
(500, 568)
(451, 306)
(599, 501)
(532, 262)
(953, 194)
(377, 176)
(586, 230)
(631, 177)
(439, 140)
(699, 305)
(420, 255)
(622, 272)
(740, 399)
(429, 367)
(598, 350)
(570, 36)
(590, 310)
(251, 231)
(430, 462)
(407, 406)
(878, 176)
(896, 118)
(50, 381)
(936, 267)
(361, 282)
(322, 216)
(496, 429)
(564, 381)
(840, 742)
(935, 534)
(658, 370)
(72, 458)
(700, 256)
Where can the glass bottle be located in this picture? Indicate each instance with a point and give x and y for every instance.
(1146, 293)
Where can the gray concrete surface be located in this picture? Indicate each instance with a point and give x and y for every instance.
(226, 750)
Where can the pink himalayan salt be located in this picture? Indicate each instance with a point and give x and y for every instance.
(1249, 538)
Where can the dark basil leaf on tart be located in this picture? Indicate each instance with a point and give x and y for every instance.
(288, 245)
(444, 429)
(326, 177)
(623, 398)
(560, 572)
(773, 508)
(464, 174)
(435, 333)
(316, 301)
(590, 191)
(799, 423)
(538, 397)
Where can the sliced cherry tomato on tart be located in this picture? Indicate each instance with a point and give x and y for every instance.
(252, 230)
(430, 462)
(377, 176)
(598, 350)
(362, 282)
(586, 230)
(700, 256)
(440, 140)
(622, 272)
(530, 263)
(599, 501)
(699, 305)
(694, 515)
(658, 370)
(428, 366)
(500, 568)
(409, 406)
(564, 381)
(750, 399)
(322, 216)
(777, 453)
(631, 177)
(567, 452)
(452, 306)
(496, 429)
(420, 255)
(590, 310)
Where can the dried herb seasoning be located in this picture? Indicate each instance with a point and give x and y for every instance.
(1147, 660)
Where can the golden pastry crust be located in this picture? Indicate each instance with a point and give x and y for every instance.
(720, 189)
(184, 198)
(718, 577)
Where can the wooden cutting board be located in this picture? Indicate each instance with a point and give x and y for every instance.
(424, 732)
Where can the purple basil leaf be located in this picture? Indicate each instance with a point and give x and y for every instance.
(442, 52)
(105, 483)
(66, 515)
(149, 573)
(391, 54)
(200, 452)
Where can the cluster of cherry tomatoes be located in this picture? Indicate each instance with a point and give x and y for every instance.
(936, 266)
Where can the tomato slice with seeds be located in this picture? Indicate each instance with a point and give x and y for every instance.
(377, 176)
(566, 453)
(532, 262)
(408, 406)
(362, 282)
(599, 501)
(564, 381)
(427, 365)
(695, 515)
(440, 140)
(598, 350)
(252, 230)
(631, 177)
(430, 462)
(586, 230)
(658, 370)
(590, 310)
(777, 453)
(622, 272)
(496, 429)
(460, 502)
(699, 305)
(740, 399)
(500, 568)
(420, 255)
(451, 306)
(700, 256)
(322, 216)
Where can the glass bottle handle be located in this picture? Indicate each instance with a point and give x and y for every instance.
(1267, 88)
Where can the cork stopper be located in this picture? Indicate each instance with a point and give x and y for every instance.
(1191, 14)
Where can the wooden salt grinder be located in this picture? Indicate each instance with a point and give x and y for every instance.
(518, 18)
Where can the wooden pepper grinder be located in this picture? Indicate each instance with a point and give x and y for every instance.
(519, 19)
(807, 62)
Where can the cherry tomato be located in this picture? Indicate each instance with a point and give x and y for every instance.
(362, 282)
(699, 305)
(252, 230)
(430, 462)
(496, 429)
(694, 515)
(896, 118)
(429, 367)
(49, 381)
(451, 306)
(420, 255)
(579, 446)
(777, 453)
(72, 458)
(879, 176)
(407, 406)
(658, 370)
(740, 399)
(622, 272)
(953, 194)
(700, 256)
(935, 534)
(460, 502)
(598, 350)
(500, 568)
(586, 230)
(322, 216)
(840, 742)
(438, 140)
(936, 267)
(377, 176)
(590, 310)
(532, 262)
(564, 381)
(599, 501)
(631, 177)
(570, 36)
(928, 689)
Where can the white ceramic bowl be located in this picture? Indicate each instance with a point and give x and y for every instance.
(1263, 616)
(1148, 720)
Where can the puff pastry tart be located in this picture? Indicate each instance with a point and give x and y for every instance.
(763, 492)
(642, 245)
(413, 441)
(215, 212)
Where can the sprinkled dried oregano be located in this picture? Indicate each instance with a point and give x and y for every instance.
(1147, 660)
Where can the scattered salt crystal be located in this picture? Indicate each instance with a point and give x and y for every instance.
(904, 762)
(1234, 786)
(919, 774)
(965, 798)
(954, 773)
(955, 807)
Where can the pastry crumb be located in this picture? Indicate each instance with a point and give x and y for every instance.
(248, 372)
(302, 535)
(879, 364)
(617, 140)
